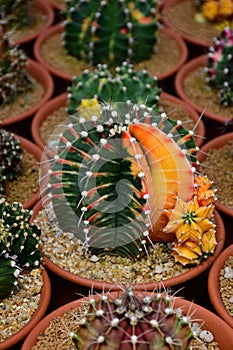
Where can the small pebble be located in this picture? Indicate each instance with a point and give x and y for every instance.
(228, 272)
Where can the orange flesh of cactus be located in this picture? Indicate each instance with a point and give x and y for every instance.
(170, 173)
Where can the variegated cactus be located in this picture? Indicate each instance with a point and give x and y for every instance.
(216, 10)
(18, 244)
(10, 158)
(125, 84)
(14, 78)
(118, 177)
(110, 31)
(219, 69)
(133, 321)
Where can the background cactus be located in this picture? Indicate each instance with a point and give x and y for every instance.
(10, 158)
(15, 14)
(118, 170)
(18, 244)
(110, 31)
(133, 321)
(14, 79)
(220, 67)
(123, 85)
(216, 10)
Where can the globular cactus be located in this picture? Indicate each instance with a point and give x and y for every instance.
(216, 10)
(15, 14)
(14, 79)
(18, 244)
(10, 158)
(123, 85)
(117, 178)
(109, 31)
(133, 321)
(219, 69)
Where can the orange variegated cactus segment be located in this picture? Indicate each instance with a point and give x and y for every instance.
(170, 172)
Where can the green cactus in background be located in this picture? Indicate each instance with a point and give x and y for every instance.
(15, 14)
(14, 79)
(109, 31)
(124, 85)
(10, 158)
(219, 69)
(133, 321)
(18, 244)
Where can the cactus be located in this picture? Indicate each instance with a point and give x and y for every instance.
(133, 321)
(109, 31)
(14, 79)
(118, 177)
(124, 85)
(18, 244)
(219, 69)
(15, 14)
(10, 158)
(216, 10)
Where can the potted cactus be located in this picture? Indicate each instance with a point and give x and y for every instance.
(25, 84)
(20, 264)
(109, 32)
(104, 85)
(122, 186)
(130, 320)
(206, 81)
(203, 20)
(25, 19)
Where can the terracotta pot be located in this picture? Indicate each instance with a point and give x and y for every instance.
(195, 41)
(33, 149)
(47, 10)
(61, 101)
(58, 5)
(16, 123)
(59, 29)
(213, 285)
(223, 334)
(70, 284)
(226, 212)
(36, 317)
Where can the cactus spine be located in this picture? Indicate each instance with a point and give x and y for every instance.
(110, 31)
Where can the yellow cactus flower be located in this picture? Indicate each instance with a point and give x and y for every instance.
(225, 8)
(189, 253)
(91, 102)
(202, 189)
(210, 10)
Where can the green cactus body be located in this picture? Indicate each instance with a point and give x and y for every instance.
(100, 178)
(110, 31)
(220, 67)
(124, 85)
(132, 322)
(14, 79)
(15, 13)
(10, 158)
(18, 243)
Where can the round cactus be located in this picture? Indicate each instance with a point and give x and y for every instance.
(220, 67)
(110, 31)
(15, 13)
(124, 85)
(10, 158)
(18, 244)
(133, 321)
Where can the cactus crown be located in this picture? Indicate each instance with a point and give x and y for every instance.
(124, 85)
(133, 321)
(15, 14)
(110, 31)
(18, 244)
(216, 10)
(219, 69)
(10, 157)
(13, 76)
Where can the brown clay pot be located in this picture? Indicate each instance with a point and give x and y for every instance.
(36, 317)
(223, 334)
(213, 285)
(61, 101)
(58, 5)
(47, 10)
(226, 212)
(68, 285)
(16, 123)
(33, 149)
(59, 29)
